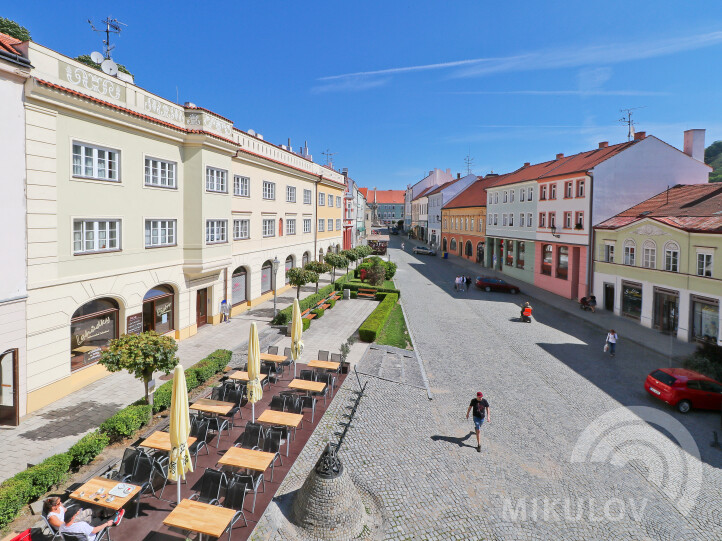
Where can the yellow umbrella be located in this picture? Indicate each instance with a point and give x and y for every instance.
(296, 332)
(255, 391)
(180, 427)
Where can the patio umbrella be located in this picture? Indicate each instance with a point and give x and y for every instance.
(180, 426)
(296, 332)
(255, 391)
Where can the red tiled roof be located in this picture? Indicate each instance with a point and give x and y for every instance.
(576, 163)
(8, 43)
(168, 124)
(365, 192)
(696, 207)
(473, 196)
(386, 197)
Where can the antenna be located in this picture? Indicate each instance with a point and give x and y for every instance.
(469, 161)
(627, 119)
(329, 157)
(112, 26)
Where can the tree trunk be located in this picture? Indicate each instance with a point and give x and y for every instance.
(334, 275)
(316, 287)
(146, 380)
(298, 293)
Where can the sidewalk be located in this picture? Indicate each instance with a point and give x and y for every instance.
(605, 320)
(54, 428)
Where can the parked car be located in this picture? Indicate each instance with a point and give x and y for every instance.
(684, 389)
(488, 283)
(423, 250)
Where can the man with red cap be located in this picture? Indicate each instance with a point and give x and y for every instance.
(481, 411)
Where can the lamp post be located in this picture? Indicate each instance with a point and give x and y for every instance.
(274, 265)
(554, 231)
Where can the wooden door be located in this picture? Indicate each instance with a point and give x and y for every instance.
(201, 307)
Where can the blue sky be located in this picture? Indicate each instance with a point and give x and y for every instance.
(396, 88)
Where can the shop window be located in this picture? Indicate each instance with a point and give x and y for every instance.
(469, 249)
(631, 300)
(266, 279)
(92, 327)
(509, 253)
(305, 259)
(705, 320)
(453, 244)
(288, 266)
(520, 247)
(158, 305)
(563, 262)
(239, 286)
(546, 266)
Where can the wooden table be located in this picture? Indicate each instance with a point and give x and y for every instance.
(273, 358)
(200, 517)
(328, 365)
(305, 385)
(238, 457)
(212, 406)
(161, 441)
(90, 488)
(282, 418)
(243, 376)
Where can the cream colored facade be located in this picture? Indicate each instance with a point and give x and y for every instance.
(71, 109)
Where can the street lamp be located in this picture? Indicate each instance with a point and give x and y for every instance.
(274, 265)
(554, 230)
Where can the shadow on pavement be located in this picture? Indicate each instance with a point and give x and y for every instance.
(455, 441)
(72, 420)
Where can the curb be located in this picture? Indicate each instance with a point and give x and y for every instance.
(416, 353)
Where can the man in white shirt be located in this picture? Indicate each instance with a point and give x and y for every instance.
(73, 526)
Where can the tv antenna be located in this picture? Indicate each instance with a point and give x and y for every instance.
(329, 157)
(627, 119)
(112, 26)
(469, 161)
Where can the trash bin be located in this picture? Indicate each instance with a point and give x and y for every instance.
(446, 255)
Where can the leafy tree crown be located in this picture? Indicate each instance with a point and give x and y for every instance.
(11, 28)
(298, 277)
(141, 354)
(319, 267)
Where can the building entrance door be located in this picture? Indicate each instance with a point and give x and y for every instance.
(609, 297)
(666, 308)
(201, 307)
(9, 380)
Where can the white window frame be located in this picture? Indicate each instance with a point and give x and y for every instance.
(529, 219)
(649, 254)
(307, 225)
(216, 231)
(553, 191)
(511, 219)
(580, 188)
(269, 190)
(338, 224)
(496, 219)
(329, 224)
(630, 252)
(239, 231)
(321, 199)
(530, 193)
(161, 170)
(290, 194)
(307, 197)
(88, 151)
(241, 186)
(522, 219)
(511, 196)
(169, 227)
(609, 252)
(522, 193)
(321, 225)
(96, 227)
(269, 227)
(504, 219)
(506, 196)
(338, 201)
(290, 226)
(671, 255)
(216, 180)
(705, 255)
(330, 200)
(496, 198)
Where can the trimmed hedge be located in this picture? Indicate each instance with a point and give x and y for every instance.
(125, 423)
(319, 313)
(306, 324)
(87, 448)
(284, 316)
(332, 303)
(354, 294)
(356, 287)
(377, 319)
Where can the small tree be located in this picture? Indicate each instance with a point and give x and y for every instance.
(319, 267)
(350, 256)
(376, 273)
(337, 261)
(299, 277)
(141, 355)
(11, 28)
(400, 224)
(363, 251)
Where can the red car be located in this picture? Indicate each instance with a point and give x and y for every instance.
(684, 389)
(488, 284)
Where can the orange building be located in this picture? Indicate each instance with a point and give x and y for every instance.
(463, 222)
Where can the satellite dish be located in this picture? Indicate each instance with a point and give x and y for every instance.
(96, 57)
(109, 67)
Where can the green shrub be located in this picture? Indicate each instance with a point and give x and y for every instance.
(356, 286)
(354, 294)
(191, 379)
(14, 495)
(707, 360)
(205, 370)
(319, 312)
(49, 473)
(377, 319)
(162, 397)
(284, 316)
(306, 324)
(87, 448)
(390, 269)
(125, 423)
(332, 303)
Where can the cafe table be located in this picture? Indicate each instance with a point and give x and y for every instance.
(250, 459)
(326, 365)
(281, 418)
(212, 406)
(88, 493)
(272, 358)
(161, 441)
(242, 375)
(305, 385)
(211, 520)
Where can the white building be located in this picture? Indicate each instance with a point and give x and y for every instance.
(437, 198)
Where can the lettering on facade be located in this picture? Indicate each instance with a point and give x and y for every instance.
(90, 81)
(159, 108)
(163, 309)
(98, 329)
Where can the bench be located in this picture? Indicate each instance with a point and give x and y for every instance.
(307, 315)
(367, 293)
(325, 306)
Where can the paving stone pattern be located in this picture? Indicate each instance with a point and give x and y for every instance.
(393, 364)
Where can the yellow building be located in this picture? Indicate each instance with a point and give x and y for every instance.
(143, 214)
(463, 223)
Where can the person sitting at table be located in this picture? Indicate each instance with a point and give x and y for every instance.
(54, 511)
(73, 525)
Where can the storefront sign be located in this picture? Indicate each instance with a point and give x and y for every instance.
(93, 356)
(98, 328)
(135, 324)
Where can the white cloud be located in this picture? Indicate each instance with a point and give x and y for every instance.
(351, 84)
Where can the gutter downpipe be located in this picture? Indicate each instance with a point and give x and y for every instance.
(315, 226)
(592, 244)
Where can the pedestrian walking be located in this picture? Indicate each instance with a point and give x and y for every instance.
(611, 344)
(225, 311)
(456, 284)
(402, 246)
(468, 283)
(462, 281)
(480, 407)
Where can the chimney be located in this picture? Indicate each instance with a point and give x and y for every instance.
(527, 164)
(604, 144)
(640, 135)
(189, 105)
(694, 144)
(458, 175)
(431, 172)
(448, 171)
(560, 156)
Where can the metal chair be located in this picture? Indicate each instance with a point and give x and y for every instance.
(211, 484)
(199, 430)
(102, 534)
(307, 375)
(145, 468)
(295, 406)
(218, 393)
(251, 437)
(235, 498)
(217, 424)
(308, 402)
(269, 369)
(272, 444)
(253, 483)
(127, 465)
(55, 533)
(322, 355)
(234, 396)
(289, 357)
(329, 380)
(273, 350)
(278, 403)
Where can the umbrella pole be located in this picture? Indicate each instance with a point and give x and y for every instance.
(178, 484)
(253, 412)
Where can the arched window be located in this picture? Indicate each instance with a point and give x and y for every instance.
(453, 244)
(158, 309)
(288, 267)
(671, 257)
(649, 254)
(305, 258)
(546, 266)
(266, 279)
(92, 327)
(443, 242)
(239, 286)
(469, 249)
(629, 251)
